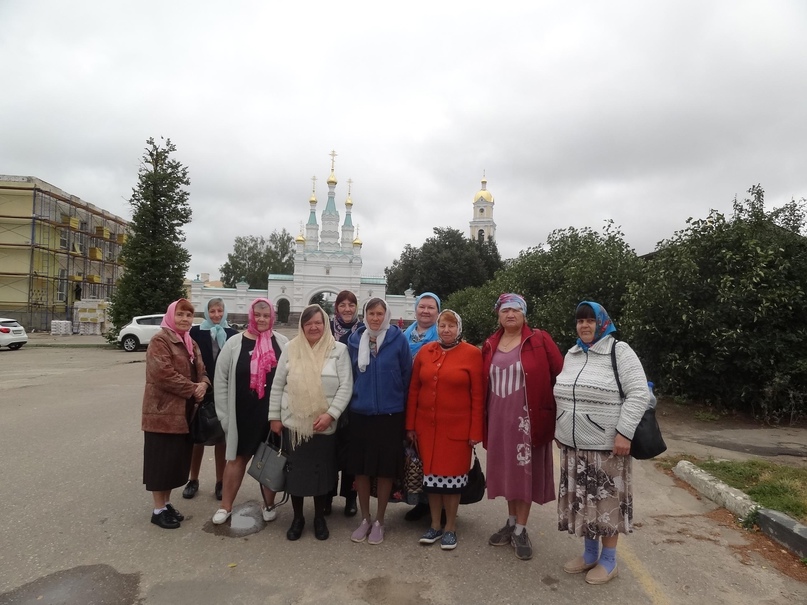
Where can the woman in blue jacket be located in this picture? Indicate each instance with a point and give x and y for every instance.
(382, 366)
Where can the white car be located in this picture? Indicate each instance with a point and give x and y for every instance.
(12, 334)
(138, 332)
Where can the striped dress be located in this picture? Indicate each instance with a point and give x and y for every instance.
(515, 469)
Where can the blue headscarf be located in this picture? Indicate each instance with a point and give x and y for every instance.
(429, 336)
(216, 329)
(604, 324)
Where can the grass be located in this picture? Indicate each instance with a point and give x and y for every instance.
(706, 416)
(774, 486)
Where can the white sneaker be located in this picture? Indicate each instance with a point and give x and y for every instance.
(221, 516)
(269, 514)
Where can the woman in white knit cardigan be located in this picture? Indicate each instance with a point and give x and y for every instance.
(594, 427)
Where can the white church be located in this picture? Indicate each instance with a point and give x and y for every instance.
(327, 259)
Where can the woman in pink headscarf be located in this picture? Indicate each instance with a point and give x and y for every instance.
(175, 381)
(245, 370)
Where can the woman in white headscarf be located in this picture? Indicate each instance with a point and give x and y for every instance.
(312, 388)
(382, 366)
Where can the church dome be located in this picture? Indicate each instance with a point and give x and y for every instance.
(483, 193)
(300, 239)
(332, 179)
(357, 242)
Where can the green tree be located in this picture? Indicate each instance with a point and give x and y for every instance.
(719, 314)
(447, 262)
(254, 257)
(155, 260)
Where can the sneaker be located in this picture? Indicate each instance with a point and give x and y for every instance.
(503, 536)
(598, 575)
(220, 516)
(448, 541)
(177, 515)
(522, 545)
(376, 534)
(269, 514)
(360, 535)
(578, 565)
(190, 489)
(431, 536)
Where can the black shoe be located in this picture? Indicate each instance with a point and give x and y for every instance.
(165, 520)
(177, 515)
(328, 506)
(320, 528)
(296, 529)
(218, 490)
(190, 489)
(417, 513)
(350, 506)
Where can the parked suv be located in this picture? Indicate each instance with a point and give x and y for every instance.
(12, 334)
(139, 331)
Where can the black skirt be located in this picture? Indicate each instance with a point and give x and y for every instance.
(376, 445)
(166, 460)
(311, 465)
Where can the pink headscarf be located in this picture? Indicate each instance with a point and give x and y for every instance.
(168, 323)
(263, 356)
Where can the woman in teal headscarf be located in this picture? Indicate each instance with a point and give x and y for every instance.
(424, 330)
(210, 336)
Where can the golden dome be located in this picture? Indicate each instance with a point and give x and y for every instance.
(484, 193)
(348, 202)
(313, 198)
(332, 179)
(300, 239)
(357, 242)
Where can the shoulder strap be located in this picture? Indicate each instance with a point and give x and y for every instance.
(616, 370)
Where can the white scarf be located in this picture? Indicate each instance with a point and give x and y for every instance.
(379, 335)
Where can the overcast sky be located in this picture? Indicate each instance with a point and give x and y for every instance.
(646, 113)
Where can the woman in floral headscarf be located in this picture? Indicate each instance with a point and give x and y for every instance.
(244, 373)
(175, 379)
(520, 366)
(594, 428)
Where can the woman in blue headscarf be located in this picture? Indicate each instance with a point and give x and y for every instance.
(210, 336)
(594, 427)
(424, 330)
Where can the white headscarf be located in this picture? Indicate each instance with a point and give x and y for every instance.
(379, 335)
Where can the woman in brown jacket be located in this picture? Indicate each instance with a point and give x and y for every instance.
(444, 418)
(175, 379)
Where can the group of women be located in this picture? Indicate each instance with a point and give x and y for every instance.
(342, 395)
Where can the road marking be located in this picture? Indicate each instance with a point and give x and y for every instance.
(652, 588)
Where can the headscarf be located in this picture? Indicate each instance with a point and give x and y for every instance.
(263, 356)
(341, 327)
(168, 324)
(604, 324)
(216, 330)
(511, 300)
(306, 397)
(430, 335)
(379, 335)
(459, 329)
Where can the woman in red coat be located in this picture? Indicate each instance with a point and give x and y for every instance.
(444, 420)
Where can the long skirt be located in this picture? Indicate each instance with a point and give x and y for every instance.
(595, 494)
(376, 445)
(166, 460)
(311, 465)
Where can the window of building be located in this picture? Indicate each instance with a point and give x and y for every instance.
(63, 239)
(61, 287)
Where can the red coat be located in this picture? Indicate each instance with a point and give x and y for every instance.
(446, 398)
(170, 381)
(542, 362)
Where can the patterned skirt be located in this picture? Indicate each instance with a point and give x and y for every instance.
(595, 493)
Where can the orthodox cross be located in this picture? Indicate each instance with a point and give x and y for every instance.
(333, 155)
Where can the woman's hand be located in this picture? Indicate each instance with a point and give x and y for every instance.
(621, 445)
(276, 426)
(412, 436)
(322, 422)
(472, 443)
(199, 393)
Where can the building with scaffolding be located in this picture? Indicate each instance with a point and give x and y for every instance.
(55, 250)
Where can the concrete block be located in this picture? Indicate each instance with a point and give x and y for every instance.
(707, 485)
(788, 532)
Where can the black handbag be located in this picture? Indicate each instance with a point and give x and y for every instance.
(647, 440)
(474, 490)
(204, 426)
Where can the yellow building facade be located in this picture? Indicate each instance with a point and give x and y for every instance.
(55, 249)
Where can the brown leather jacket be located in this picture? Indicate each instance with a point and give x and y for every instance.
(170, 382)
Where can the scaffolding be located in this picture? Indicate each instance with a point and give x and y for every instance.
(71, 250)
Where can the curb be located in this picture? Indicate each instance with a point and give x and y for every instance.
(786, 531)
(69, 345)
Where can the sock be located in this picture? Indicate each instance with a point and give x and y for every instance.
(157, 511)
(511, 520)
(608, 558)
(592, 551)
(519, 529)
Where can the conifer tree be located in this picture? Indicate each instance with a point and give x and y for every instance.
(155, 261)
